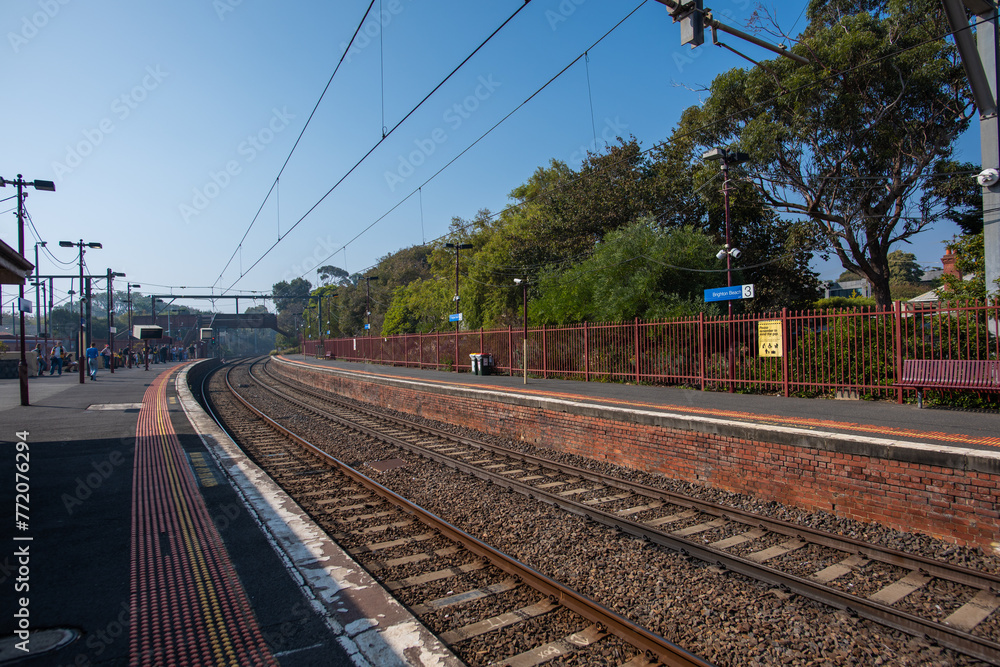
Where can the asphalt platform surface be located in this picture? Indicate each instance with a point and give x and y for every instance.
(66, 549)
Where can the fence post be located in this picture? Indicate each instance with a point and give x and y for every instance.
(510, 350)
(701, 349)
(586, 354)
(636, 329)
(785, 349)
(545, 354)
(897, 307)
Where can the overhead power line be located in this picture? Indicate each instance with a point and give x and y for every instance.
(385, 135)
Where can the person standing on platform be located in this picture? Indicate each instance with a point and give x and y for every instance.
(56, 360)
(40, 358)
(92, 361)
(106, 356)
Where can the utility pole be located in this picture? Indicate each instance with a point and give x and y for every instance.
(48, 186)
(524, 286)
(111, 316)
(368, 307)
(38, 304)
(727, 158)
(83, 322)
(458, 312)
(979, 58)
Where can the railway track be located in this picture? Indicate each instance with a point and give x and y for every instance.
(509, 613)
(951, 605)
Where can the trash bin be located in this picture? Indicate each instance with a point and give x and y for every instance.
(477, 363)
(486, 364)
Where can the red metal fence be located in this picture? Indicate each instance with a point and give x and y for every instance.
(820, 351)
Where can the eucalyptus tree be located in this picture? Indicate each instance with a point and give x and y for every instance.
(848, 141)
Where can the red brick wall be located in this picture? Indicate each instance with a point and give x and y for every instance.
(811, 472)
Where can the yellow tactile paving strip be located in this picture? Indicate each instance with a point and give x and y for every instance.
(188, 607)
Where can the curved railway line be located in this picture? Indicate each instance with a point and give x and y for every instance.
(948, 604)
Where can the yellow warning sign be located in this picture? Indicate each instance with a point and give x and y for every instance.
(769, 338)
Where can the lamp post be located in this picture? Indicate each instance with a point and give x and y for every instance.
(46, 186)
(111, 320)
(524, 284)
(79, 346)
(42, 314)
(37, 284)
(130, 286)
(457, 247)
(726, 158)
(368, 307)
(319, 300)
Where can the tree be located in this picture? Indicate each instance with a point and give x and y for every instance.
(640, 270)
(290, 298)
(332, 273)
(955, 188)
(847, 141)
(903, 268)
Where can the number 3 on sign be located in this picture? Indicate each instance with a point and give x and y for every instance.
(748, 291)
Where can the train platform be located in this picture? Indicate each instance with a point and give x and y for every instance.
(137, 534)
(859, 419)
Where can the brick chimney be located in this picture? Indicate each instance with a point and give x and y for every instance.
(948, 262)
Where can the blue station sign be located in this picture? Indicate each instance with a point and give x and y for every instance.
(455, 317)
(729, 293)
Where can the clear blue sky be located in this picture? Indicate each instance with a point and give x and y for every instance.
(164, 125)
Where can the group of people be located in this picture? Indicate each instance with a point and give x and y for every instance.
(60, 358)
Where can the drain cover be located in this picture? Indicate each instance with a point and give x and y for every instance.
(388, 464)
(39, 641)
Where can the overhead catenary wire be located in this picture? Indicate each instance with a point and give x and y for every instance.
(566, 183)
(486, 133)
(692, 131)
(378, 143)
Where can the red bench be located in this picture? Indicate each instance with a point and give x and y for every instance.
(949, 374)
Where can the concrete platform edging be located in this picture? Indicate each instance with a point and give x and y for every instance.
(371, 626)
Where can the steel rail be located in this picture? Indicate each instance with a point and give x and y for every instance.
(979, 647)
(667, 652)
